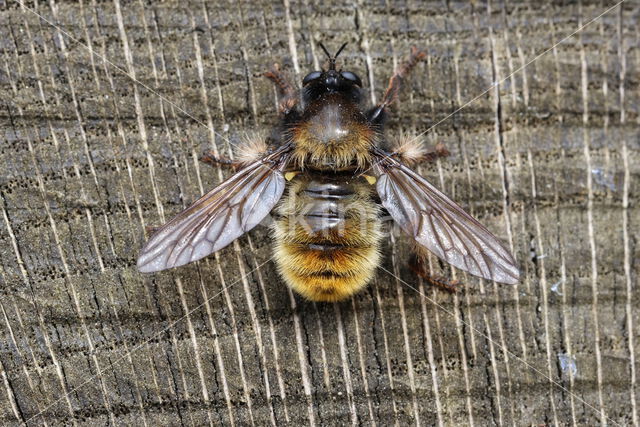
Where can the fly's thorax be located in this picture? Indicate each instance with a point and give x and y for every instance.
(333, 135)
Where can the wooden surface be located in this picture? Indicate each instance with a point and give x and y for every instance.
(95, 146)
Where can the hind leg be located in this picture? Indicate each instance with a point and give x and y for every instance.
(418, 264)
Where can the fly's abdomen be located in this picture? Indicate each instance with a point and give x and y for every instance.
(327, 237)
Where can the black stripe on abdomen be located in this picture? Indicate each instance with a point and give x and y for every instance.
(326, 204)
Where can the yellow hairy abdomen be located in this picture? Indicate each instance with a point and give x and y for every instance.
(333, 274)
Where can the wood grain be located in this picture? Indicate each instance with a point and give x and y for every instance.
(106, 108)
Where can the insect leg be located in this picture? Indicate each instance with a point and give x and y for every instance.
(440, 150)
(151, 229)
(395, 84)
(418, 265)
(211, 159)
(411, 151)
(285, 89)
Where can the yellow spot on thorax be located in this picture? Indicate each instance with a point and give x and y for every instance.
(290, 175)
(370, 179)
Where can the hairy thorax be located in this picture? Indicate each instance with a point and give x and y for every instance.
(333, 135)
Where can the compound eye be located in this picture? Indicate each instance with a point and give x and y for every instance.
(314, 75)
(351, 77)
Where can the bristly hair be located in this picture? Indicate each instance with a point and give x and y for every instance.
(409, 147)
(251, 148)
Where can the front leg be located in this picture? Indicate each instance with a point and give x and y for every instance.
(376, 115)
(286, 90)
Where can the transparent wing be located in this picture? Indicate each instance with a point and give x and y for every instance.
(217, 218)
(440, 225)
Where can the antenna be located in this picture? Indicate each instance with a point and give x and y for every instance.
(339, 50)
(332, 59)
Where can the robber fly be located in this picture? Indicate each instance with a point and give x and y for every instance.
(327, 177)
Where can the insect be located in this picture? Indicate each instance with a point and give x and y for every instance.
(327, 177)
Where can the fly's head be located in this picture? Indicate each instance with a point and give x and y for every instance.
(317, 85)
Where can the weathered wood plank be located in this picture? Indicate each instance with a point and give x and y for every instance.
(106, 109)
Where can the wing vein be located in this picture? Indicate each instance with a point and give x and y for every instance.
(218, 217)
(439, 224)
